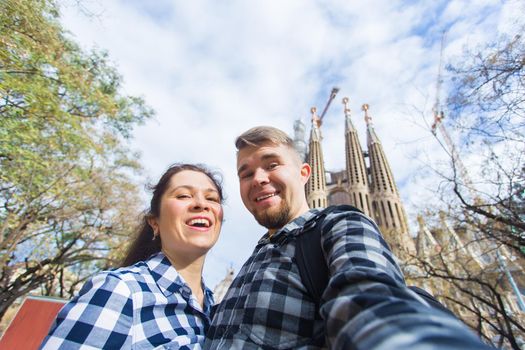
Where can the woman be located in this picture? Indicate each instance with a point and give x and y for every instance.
(158, 299)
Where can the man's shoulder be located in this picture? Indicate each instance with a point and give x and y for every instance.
(339, 212)
(342, 216)
(341, 208)
(321, 216)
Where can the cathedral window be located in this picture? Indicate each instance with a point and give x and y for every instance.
(391, 213)
(401, 218)
(377, 216)
(384, 213)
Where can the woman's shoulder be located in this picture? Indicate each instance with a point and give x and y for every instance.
(131, 271)
(133, 276)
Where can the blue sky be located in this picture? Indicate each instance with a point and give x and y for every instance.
(212, 69)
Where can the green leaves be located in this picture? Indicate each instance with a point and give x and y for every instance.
(66, 198)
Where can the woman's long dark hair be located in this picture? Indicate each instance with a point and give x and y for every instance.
(143, 245)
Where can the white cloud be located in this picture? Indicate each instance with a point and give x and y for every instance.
(214, 69)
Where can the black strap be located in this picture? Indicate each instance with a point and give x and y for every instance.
(312, 265)
(311, 262)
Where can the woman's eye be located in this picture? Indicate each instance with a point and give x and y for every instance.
(214, 199)
(182, 196)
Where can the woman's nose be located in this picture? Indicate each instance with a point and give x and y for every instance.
(200, 202)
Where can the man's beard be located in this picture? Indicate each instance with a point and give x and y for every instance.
(274, 218)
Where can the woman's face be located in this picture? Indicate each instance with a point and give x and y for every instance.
(190, 215)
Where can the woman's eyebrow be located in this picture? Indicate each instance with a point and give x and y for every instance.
(192, 188)
(187, 187)
(211, 190)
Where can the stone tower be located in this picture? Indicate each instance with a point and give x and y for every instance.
(356, 173)
(371, 189)
(316, 193)
(387, 208)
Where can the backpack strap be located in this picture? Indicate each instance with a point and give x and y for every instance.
(311, 262)
(309, 255)
(312, 265)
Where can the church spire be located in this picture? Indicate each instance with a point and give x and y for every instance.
(316, 186)
(355, 165)
(371, 135)
(382, 178)
(386, 203)
(349, 126)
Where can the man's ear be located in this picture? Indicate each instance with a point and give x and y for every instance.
(306, 170)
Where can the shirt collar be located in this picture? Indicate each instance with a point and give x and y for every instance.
(289, 227)
(167, 277)
(164, 274)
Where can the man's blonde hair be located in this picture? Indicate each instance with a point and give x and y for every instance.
(260, 135)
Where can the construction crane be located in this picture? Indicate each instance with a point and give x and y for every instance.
(319, 119)
(334, 92)
(439, 115)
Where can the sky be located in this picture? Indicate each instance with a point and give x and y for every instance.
(213, 69)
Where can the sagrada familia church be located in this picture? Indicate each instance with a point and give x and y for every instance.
(371, 189)
(367, 182)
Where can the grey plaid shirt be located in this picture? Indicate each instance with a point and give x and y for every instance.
(365, 306)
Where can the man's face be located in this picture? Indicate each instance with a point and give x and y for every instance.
(272, 180)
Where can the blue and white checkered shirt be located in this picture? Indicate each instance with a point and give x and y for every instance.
(144, 306)
(365, 306)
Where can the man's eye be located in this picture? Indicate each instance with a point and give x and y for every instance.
(245, 175)
(273, 165)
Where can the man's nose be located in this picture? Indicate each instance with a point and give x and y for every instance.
(260, 177)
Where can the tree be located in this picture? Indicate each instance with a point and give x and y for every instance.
(485, 209)
(487, 104)
(463, 267)
(66, 195)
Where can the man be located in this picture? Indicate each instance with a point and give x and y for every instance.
(366, 304)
